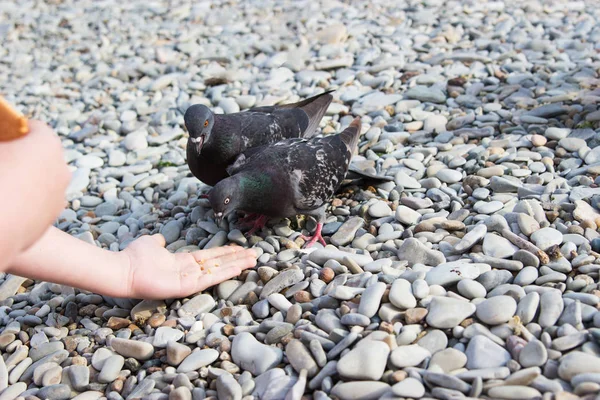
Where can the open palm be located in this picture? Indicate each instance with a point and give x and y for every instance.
(156, 273)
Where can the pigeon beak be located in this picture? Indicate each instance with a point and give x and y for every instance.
(218, 218)
(199, 142)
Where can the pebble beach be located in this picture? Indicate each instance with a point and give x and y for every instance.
(472, 273)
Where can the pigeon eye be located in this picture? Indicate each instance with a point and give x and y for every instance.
(226, 201)
(206, 123)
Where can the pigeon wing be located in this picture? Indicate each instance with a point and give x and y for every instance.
(242, 159)
(319, 166)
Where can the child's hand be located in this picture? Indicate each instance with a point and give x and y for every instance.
(156, 273)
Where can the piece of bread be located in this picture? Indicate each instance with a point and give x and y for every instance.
(13, 124)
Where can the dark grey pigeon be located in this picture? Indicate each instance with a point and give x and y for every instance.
(216, 141)
(290, 177)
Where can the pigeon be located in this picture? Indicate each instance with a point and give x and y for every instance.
(290, 177)
(216, 141)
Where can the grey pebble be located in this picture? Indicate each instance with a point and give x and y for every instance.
(110, 368)
(228, 388)
(483, 353)
(551, 307)
(54, 392)
(197, 360)
(446, 313)
(371, 299)
(364, 362)
(300, 358)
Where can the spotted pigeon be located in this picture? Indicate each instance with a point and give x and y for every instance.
(291, 177)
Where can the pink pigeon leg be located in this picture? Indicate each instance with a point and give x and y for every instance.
(259, 223)
(315, 237)
(248, 219)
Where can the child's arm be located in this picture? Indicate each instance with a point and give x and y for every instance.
(33, 178)
(145, 269)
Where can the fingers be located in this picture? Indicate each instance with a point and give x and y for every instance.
(225, 272)
(195, 276)
(203, 255)
(228, 258)
(218, 255)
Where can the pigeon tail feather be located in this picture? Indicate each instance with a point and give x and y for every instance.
(351, 134)
(315, 107)
(356, 173)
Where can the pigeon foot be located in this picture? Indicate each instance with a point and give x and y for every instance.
(317, 236)
(248, 219)
(259, 223)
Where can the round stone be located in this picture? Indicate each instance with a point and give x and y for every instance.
(370, 299)
(409, 356)
(496, 310)
(526, 276)
(89, 161)
(484, 207)
(546, 238)
(253, 356)
(449, 273)
(365, 390)
(128, 115)
(497, 246)
(510, 392)
(481, 193)
(434, 341)
(132, 348)
(176, 353)
(367, 361)
(534, 354)
(409, 387)
(446, 312)
(448, 360)
(300, 358)
(528, 307)
(197, 360)
(527, 224)
(577, 362)
(401, 294)
(471, 289)
(379, 210)
(554, 133)
(435, 123)
(572, 144)
(482, 353)
(407, 215)
(551, 307)
(449, 175)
